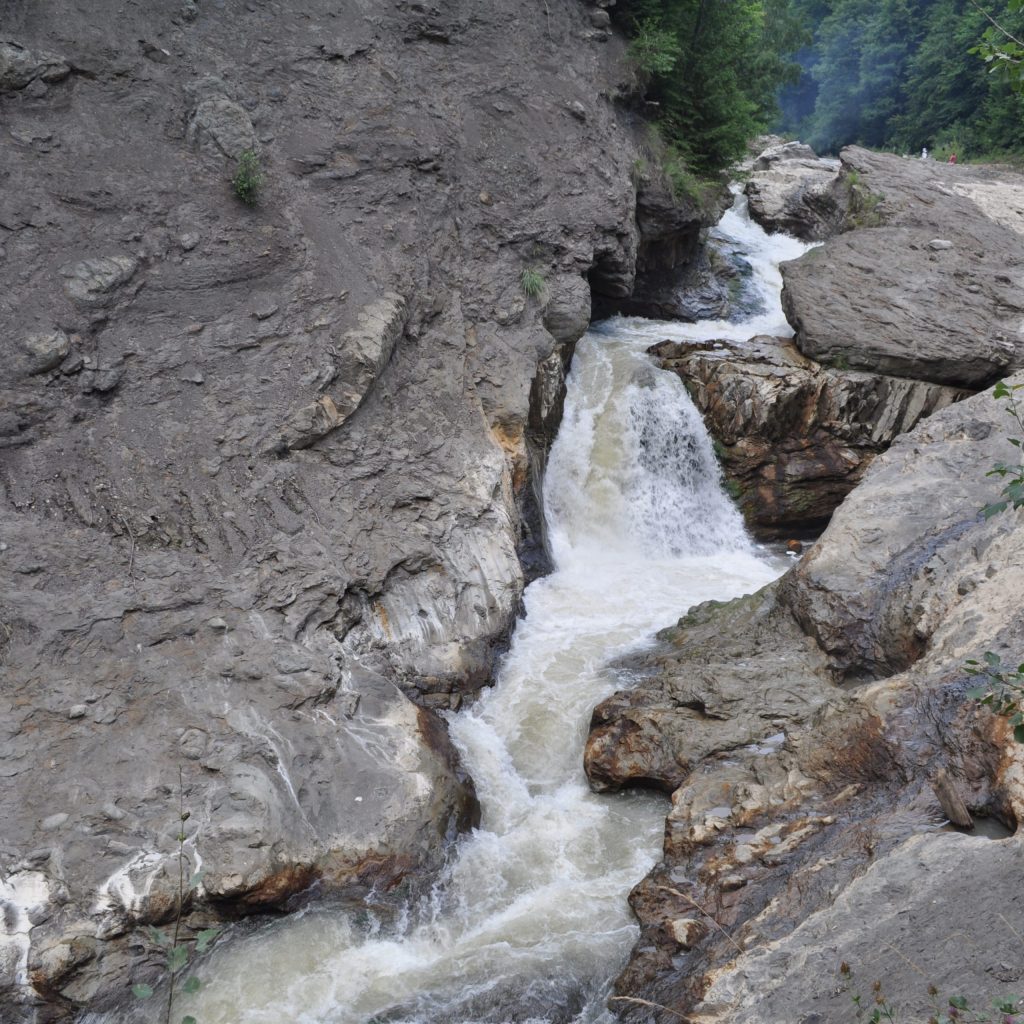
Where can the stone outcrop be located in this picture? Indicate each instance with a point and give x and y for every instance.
(791, 189)
(929, 289)
(838, 695)
(267, 471)
(21, 66)
(673, 278)
(794, 437)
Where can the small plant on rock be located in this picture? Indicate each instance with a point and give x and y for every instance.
(248, 179)
(532, 282)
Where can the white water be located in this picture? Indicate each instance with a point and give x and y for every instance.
(530, 921)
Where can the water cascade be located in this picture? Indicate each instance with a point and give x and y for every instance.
(529, 922)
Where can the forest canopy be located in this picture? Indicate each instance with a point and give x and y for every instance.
(904, 74)
(890, 74)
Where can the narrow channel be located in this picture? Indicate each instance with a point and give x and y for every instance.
(530, 922)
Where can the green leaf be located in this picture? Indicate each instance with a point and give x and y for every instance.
(1000, 391)
(195, 878)
(205, 937)
(1018, 733)
(993, 659)
(191, 985)
(178, 958)
(995, 508)
(142, 991)
(958, 1001)
(188, 1019)
(159, 937)
(977, 693)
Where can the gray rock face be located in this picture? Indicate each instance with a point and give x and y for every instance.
(277, 486)
(929, 288)
(794, 437)
(668, 270)
(812, 838)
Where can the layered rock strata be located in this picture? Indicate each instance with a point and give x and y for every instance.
(794, 437)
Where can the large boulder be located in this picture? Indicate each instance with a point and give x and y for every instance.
(927, 284)
(900, 301)
(791, 189)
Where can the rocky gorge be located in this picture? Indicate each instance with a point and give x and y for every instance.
(811, 734)
(270, 485)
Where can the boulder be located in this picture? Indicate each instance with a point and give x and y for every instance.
(791, 189)
(46, 351)
(885, 301)
(926, 285)
(217, 124)
(20, 66)
(92, 282)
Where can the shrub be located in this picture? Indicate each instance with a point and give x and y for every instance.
(654, 50)
(532, 282)
(248, 179)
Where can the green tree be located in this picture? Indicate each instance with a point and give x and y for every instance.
(714, 68)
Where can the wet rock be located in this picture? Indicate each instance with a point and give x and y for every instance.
(695, 702)
(567, 313)
(794, 437)
(667, 272)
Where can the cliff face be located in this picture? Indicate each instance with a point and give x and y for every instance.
(265, 468)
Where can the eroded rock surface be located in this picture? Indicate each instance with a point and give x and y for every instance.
(265, 469)
(794, 841)
(794, 437)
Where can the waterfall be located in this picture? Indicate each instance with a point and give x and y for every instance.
(529, 922)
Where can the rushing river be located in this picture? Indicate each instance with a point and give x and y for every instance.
(530, 923)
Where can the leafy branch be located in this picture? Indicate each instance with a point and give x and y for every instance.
(1013, 491)
(1001, 689)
